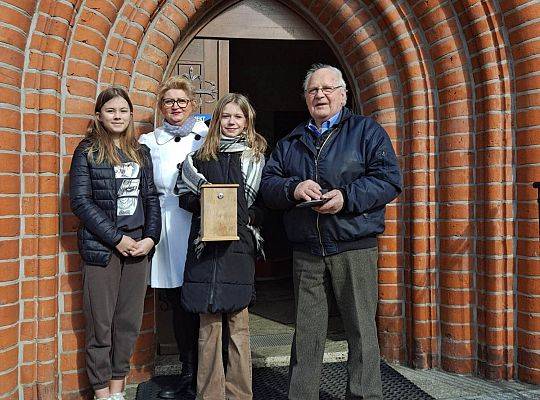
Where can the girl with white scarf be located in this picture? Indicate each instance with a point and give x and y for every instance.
(219, 277)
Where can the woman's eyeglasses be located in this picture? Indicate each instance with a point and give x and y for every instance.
(169, 103)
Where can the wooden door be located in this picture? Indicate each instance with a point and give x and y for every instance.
(206, 63)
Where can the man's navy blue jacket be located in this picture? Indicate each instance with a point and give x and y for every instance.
(357, 158)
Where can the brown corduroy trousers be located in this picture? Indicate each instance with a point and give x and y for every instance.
(212, 382)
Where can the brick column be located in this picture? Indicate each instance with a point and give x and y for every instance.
(525, 47)
(12, 59)
(13, 307)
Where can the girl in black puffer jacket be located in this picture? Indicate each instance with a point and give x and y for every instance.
(112, 192)
(219, 276)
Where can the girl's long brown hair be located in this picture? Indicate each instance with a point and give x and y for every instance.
(255, 141)
(103, 148)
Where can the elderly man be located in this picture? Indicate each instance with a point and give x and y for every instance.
(346, 160)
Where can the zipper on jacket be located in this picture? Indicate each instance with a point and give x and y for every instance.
(115, 196)
(214, 272)
(317, 180)
(214, 259)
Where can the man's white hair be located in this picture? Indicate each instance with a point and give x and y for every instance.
(316, 67)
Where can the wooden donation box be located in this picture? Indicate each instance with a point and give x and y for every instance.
(218, 212)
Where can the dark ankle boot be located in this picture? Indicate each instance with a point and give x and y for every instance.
(185, 384)
(170, 392)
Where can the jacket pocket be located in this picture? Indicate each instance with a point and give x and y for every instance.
(245, 245)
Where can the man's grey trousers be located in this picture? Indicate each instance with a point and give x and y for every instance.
(353, 277)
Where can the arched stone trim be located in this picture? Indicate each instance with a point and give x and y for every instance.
(452, 80)
(407, 42)
(494, 179)
(12, 58)
(359, 50)
(85, 37)
(40, 179)
(523, 48)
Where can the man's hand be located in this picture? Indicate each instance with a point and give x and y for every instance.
(308, 190)
(126, 246)
(333, 205)
(143, 247)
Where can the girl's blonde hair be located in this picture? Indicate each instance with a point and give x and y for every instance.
(255, 141)
(103, 148)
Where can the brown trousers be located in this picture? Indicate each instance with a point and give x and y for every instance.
(212, 383)
(113, 303)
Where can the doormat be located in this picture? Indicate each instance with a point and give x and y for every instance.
(271, 384)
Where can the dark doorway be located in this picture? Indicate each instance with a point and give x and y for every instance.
(271, 73)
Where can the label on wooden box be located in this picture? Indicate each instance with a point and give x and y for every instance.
(219, 212)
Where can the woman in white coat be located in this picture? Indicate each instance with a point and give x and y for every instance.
(169, 144)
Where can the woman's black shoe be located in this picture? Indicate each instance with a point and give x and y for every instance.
(186, 382)
(169, 392)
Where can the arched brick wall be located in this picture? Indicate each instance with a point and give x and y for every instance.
(455, 84)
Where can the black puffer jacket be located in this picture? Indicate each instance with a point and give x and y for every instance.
(93, 192)
(222, 279)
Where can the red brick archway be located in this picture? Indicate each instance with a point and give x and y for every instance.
(454, 83)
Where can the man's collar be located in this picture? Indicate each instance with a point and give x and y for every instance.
(333, 120)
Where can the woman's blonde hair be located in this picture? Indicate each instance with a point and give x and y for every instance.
(176, 82)
(255, 141)
(103, 148)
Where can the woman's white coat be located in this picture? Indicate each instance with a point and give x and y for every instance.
(167, 270)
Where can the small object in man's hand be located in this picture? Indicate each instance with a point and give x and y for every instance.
(312, 203)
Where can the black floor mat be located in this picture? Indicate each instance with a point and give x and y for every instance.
(271, 384)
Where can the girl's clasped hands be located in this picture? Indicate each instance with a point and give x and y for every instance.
(131, 247)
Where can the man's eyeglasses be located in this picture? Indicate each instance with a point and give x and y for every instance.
(324, 89)
(169, 103)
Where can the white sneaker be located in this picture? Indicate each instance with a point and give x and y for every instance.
(117, 396)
